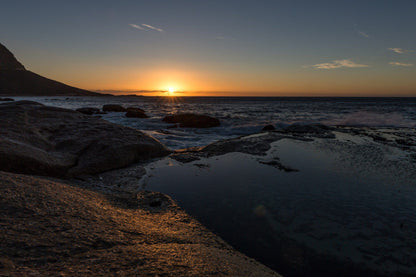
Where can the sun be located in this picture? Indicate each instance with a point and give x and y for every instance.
(171, 91)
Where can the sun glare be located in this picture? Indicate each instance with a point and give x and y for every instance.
(171, 91)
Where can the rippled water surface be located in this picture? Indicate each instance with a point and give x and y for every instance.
(245, 115)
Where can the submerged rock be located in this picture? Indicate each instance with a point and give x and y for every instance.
(113, 108)
(43, 140)
(89, 111)
(135, 112)
(189, 120)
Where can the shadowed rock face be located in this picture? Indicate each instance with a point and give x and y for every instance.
(43, 140)
(136, 112)
(189, 120)
(16, 80)
(8, 61)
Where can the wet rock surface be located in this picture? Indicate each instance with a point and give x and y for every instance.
(43, 140)
(192, 120)
(136, 112)
(257, 144)
(89, 111)
(113, 108)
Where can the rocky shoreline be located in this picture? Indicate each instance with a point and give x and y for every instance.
(65, 213)
(75, 199)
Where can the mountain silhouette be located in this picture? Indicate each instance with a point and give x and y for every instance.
(15, 80)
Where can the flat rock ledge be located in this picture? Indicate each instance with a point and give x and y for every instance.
(43, 140)
(52, 228)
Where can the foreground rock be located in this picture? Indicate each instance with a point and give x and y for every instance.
(136, 112)
(43, 140)
(54, 229)
(189, 120)
(113, 108)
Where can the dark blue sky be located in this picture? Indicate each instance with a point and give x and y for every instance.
(258, 47)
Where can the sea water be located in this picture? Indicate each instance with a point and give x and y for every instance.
(245, 115)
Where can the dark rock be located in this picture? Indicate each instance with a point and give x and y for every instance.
(268, 128)
(318, 130)
(135, 109)
(312, 128)
(135, 112)
(113, 108)
(246, 144)
(279, 165)
(153, 201)
(43, 140)
(8, 61)
(16, 80)
(189, 120)
(89, 111)
(6, 99)
(185, 157)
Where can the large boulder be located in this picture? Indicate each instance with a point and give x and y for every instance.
(136, 112)
(113, 108)
(268, 128)
(89, 110)
(43, 140)
(189, 120)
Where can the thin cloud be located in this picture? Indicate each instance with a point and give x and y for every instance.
(363, 34)
(400, 50)
(400, 64)
(339, 64)
(137, 27)
(152, 27)
(219, 38)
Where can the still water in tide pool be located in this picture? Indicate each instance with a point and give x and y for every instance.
(326, 219)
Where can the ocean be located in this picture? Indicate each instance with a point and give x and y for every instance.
(245, 115)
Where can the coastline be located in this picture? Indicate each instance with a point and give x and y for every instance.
(96, 220)
(75, 220)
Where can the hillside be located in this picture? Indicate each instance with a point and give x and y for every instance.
(15, 80)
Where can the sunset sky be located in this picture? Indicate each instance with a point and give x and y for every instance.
(260, 48)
